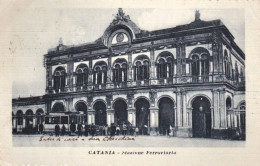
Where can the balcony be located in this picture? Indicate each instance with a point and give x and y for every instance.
(185, 79)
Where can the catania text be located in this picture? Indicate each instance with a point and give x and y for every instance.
(111, 152)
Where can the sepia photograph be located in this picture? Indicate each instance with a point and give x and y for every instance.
(107, 83)
(176, 80)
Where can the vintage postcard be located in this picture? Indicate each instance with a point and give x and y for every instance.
(163, 84)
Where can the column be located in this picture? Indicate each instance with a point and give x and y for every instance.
(215, 52)
(130, 67)
(154, 118)
(69, 79)
(23, 122)
(212, 117)
(179, 109)
(189, 112)
(216, 120)
(178, 57)
(91, 117)
(131, 116)
(109, 69)
(152, 68)
(222, 110)
(183, 54)
(34, 122)
(49, 81)
(184, 110)
(90, 74)
(69, 103)
(110, 116)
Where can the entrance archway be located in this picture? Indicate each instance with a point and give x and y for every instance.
(201, 117)
(39, 116)
(120, 108)
(81, 108)
(101, 114)
(29, 121)
(166, 115)
(142, 115)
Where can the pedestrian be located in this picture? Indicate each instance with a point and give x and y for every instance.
(63, 130)
(136, 131)
(93, 130)
(106, 129)
(124, 128)
(79, 128)
(41, 128)
(57, 130)
(131, 130)
(113, 130)
(117, 130)
(86, 130)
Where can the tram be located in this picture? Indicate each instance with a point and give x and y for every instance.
(52, 120)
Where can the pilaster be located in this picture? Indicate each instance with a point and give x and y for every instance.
(216, 120)
(179, 60)
(222, 110)
(152, 68)
(131, 114)
(179, 109)
(183, 54)
(130, 67)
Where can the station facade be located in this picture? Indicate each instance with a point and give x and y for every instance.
(190, 77)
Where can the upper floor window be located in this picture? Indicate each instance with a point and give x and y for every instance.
(82, 75)
(141, 68)
(228, 103)
(59, 79)
(236, 73)
(227, 65)
(100, 73)
(195, 66)
(164, 65)
(204, 64)
(120, 71)
(200, 58)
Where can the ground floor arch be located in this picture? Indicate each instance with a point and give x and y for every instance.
(29, 121)
(142, 115)
(166, 115)
(201, 117)
(81, 109)
(100, 113)
(120, 111)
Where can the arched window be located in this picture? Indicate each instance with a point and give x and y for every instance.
(230, 116)
(100, 73)
(59, 79)
(200, 59)
(227, 65)
(141, 68)
(204, 65)
(165, 65)
(120, 71)
(19, 115)
(58, 107)
(82, 75)
(228, 103)
(195, 66)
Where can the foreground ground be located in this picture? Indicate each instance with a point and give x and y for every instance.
(120, 141)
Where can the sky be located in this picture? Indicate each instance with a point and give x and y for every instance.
(35, 31)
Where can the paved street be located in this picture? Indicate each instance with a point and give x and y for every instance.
(120, 141)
